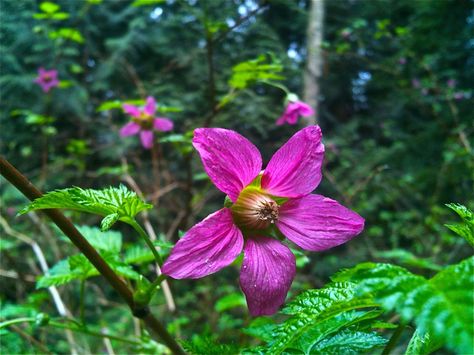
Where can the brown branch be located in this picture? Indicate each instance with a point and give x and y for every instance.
(31, 192)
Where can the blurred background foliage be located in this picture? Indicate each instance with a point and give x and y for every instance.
(395, 110)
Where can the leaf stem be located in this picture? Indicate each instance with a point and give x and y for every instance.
(147, 240)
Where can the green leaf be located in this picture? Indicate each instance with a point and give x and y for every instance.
(421, 344)
(441, 306)
(138, 255)
(466, 228)
(59, 274)
(109, 221)
(313, 307)
(349, 342)
(204, 345)
(104, 202)
(67, 33)
(110, 241)
(49, 7)
(137, 3)
(407, 258)
(230, 301)
(246, 73)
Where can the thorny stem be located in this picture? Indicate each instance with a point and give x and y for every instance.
(30, 191)
(147, 240)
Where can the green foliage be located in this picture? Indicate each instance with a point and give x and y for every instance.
(315, 315)
(249, 72)
(230, 301)
(441, 306)
(421, 344)
(349, 342)
(50, 11)
(77, 267)
(207, 346)
(68, 34)
(113, 203)
(466, 228)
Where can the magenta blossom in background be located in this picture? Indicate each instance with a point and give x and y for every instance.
(293, 111)
(47, 79)
(261, 205)
(451, 83)
(144, 122)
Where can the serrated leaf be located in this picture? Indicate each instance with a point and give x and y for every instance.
(138, 255)
(421, 344)
(204, 345)
(348, 342)
(104, 202)
(441, 306)
(109, 241)
(466, 228)
(313, 307)
(109, 221)
(246, 73)
(59, 274)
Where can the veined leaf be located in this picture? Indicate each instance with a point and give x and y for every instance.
(110, 241)
(441, 306)
(421, 344)
(466, 228)
(251, 71)
(349, 342)
(310, 308)
(110, 201)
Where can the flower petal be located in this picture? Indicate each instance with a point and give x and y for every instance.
(304, 109)
(129, 129)
(131, 110)
(206, 248)
(162, 124)
(147, 139)
(317, 223)
(230, 160)
(295, 169)
(150, 106)
(266, 274)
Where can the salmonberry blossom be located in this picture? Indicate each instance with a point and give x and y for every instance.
(47, 79)
(262, 208)
(293, 111)
(144, 122)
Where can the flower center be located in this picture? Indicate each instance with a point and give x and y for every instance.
(254, 209)
(47, 78)
(145, 121)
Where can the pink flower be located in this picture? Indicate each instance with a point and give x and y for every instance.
(451, 83)
(47, 79)
(293, 111)
(262, 204)
(144, 122)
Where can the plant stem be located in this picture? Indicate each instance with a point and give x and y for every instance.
(277, 85)
(147, 240)
(394, 339)
(158, 281)
(17, 320)
(29, 190)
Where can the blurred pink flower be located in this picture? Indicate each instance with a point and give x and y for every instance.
(402, 61)
(451, 83)
(144, 122)
(47, 79)
(416, 83)
(261, 204)
(459, 95)
(293, 111)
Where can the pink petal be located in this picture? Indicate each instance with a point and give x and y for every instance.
(304, 109)
(295, 169)
(131, 110)
(230, 160)
(206, 248)
(129, 129)
(42, 71)
(266, 274)
(162, 124)
(317, 223)
(150, 106)
(146, 138)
